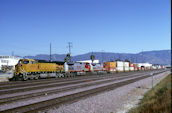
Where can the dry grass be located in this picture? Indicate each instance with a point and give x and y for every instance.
(157, 100)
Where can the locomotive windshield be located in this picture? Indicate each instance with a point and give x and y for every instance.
(23, 61)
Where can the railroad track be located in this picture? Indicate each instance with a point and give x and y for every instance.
(24, 87)
(31, 83)
(39, 81)
(60, 89)
(31, 86)
(108, 84)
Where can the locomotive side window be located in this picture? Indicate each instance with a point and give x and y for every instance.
(32, 62)
(25, 62)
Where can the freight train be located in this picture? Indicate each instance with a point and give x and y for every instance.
(32, 69)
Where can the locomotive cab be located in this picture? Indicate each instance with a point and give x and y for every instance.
(20, 68)
(26, 61)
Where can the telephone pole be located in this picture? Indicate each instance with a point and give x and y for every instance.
(69, 46)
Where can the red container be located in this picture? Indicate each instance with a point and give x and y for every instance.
(131, 65)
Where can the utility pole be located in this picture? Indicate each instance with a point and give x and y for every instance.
(69, 46)
(50, 52)
(92, 57)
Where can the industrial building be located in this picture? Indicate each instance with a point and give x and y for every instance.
(8, 61)
(89, 61)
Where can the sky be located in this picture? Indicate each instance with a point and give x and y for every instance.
(27, 27)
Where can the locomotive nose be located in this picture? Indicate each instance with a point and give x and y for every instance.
(17, 68)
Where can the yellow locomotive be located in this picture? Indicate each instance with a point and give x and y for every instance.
(31, 69)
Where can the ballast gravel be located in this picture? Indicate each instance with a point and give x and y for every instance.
(53, 96)
(119, 100)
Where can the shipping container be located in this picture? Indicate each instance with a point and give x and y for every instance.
(119, 66)
(120, 69)
(110, 66)
(131, 68)
(126, 64)
(131, 65)
(126, 69)
(119, 63)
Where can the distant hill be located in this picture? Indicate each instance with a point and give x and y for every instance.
(154, 57)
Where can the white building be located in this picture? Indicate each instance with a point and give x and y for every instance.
(89, 61)
(144, 64)
(8, 61)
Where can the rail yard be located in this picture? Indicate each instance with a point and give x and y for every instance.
(84, 56)
(65, 82)
(38, 95)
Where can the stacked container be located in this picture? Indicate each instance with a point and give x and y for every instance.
(135, 67)
(131, 68)
(126, 66)
(119, 66)
(110, 66)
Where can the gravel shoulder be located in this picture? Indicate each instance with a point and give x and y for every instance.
(119, 100)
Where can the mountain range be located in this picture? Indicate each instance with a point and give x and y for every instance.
(162, 57)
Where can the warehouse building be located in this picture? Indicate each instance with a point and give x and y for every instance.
(144, 65)
(89, 61)
(8, 61)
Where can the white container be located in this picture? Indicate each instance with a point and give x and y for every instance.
(131, 68)
(119, 63)
(120, 69)
(126, 68)
(126, 64)
(119, 66)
